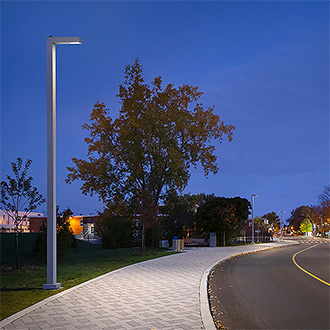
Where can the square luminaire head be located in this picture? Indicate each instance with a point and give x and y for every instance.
(65, 40)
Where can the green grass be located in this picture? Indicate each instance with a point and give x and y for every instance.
(23, 288)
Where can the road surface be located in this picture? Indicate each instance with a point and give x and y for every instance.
(268, 290)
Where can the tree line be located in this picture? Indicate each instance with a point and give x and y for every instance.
(138, 165)
(181, 216)
(304, 217)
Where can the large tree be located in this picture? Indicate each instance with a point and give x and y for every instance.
(324, 208)
(225, 216)
(273, 220)
(324, 197)
(301, 213)
(179, 214)
(159, 133)
(18, 197)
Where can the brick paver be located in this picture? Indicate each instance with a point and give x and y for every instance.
(160, 294)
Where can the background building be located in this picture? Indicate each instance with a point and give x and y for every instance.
(81, 224)
(7, 223)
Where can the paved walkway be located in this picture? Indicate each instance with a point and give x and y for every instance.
(168, 293)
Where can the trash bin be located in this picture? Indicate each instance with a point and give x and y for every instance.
(181, 244)
(178, 244)
(213, 239)
(164, 244)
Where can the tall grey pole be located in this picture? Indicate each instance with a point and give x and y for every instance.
(51, 158)
(281, 224)
(252, 198)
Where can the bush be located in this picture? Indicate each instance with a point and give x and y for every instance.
(65, 238)
(115, 226)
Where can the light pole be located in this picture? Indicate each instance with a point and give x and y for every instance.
(252, 198)
(281, 224)
(51, 157)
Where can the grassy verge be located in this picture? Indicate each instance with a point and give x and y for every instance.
(23, 288)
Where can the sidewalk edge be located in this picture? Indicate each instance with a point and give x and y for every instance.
(205, 310)
(43, 302)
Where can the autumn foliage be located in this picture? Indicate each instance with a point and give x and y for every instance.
(148, 149)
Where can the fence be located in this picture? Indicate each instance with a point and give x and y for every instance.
(258, 238)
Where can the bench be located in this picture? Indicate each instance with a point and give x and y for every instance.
(195, 242)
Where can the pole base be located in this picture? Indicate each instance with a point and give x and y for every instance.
(54, 286)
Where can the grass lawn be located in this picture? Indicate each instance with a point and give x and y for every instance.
(23, 288)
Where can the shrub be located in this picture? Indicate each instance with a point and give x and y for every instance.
(65, 238)
(115, 226)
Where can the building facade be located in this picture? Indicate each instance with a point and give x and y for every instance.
(32, 223)
(83, 225)
(8, 225)
(80, 224)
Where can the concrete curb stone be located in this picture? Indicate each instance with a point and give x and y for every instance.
(204, 300)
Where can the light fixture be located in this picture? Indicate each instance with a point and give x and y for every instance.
(51, 157)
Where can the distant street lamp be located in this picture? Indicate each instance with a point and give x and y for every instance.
(281, 224)
(51, 156)
(321, 227)
(252, 198)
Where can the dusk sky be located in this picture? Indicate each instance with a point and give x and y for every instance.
(264, 65)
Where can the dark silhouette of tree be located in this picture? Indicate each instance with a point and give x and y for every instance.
(64, 234)
(224, 216)
(17, 194)
(324, 200)
(179, 218)
(273, 219)
(302, 213)
(148, 150)
(115, 225)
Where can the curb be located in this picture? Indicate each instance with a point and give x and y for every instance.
(45, 301)
(206, 314)
(206, 317)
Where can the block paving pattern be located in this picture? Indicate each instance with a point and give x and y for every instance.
(159, 294)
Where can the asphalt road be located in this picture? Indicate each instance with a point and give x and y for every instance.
(266, 290)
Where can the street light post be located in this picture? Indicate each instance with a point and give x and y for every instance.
(252, 199)
(321, 227)
(281, 223)
(51, 157)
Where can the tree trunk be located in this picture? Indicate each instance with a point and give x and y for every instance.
(224, 238)
(16, 248)
(143, 243)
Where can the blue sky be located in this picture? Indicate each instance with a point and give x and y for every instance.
(263, 64)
